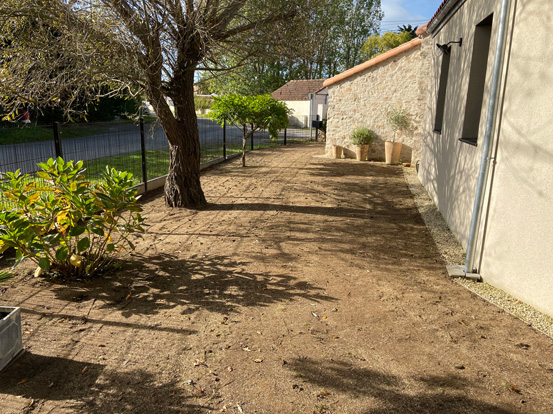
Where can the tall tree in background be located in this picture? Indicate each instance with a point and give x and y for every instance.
(378, 44)
(54, 52)
(325, 39)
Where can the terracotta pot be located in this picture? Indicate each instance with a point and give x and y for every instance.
(393, 149)
(361, 152)
(337, 151)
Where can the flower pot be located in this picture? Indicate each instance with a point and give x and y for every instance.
(393, 149)
(361, 152)
(337, 151)
(11, 344)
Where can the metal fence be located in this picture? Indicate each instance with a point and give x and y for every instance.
(141, 149)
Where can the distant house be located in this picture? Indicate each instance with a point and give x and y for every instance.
(487, 154)
(307, 98)
(362, 95)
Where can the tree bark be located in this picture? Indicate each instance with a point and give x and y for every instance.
(183, 187)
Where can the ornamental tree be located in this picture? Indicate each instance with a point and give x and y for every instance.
(250, 114)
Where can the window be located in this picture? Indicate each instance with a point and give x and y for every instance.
(442, 87)
(477, 80)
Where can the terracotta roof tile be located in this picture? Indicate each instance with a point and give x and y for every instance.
(297, 90)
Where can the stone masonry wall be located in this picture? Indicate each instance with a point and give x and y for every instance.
(364, 99)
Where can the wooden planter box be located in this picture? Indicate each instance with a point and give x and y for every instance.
(11, 344)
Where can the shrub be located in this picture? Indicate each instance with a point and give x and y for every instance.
(362, 136)
(400, 120)
(65, 224)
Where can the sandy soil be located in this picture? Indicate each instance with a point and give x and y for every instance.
(309, 285)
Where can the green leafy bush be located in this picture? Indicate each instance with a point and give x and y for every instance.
(66, 224)
(362, 136)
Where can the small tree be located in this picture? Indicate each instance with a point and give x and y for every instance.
(250, 114)
(401, 120)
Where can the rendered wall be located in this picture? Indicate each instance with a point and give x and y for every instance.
(515, 243)
(364, 99)
(518, 250)
(300, 114)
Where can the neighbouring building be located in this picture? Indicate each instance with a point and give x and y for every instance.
(362, 96)
(487, 153)
(306, 98)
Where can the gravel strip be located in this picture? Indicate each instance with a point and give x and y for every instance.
(454, 254)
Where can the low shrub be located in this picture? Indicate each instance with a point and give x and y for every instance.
(66, 224)
(362, 136)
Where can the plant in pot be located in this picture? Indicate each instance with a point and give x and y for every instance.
(362, 137)
(400, 120)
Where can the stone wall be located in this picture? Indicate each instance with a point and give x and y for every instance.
(363, 99)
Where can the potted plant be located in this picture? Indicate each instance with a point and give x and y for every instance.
(11, 344)
(400, 120)
(362, 137)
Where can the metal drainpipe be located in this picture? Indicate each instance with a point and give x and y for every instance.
(487, 147)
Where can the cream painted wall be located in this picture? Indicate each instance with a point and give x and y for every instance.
(515, 244)
(518, 251)
(300, 116)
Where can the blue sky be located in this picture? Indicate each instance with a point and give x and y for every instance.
(414, 12)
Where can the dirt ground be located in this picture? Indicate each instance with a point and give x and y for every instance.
(309, 285)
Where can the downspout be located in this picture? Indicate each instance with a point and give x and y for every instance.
(487, 145)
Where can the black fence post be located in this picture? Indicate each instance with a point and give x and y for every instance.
(143, 150)
(285, 129)
(252, 141)
(57, 140)
(225, 140)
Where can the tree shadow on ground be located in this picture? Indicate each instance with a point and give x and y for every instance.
(151, 284)
(89, 387)
(443, 394)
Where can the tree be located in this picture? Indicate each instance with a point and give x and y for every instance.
(324, 39)
(409, 29)
(250, 114)
(54, 52)
(378, 44)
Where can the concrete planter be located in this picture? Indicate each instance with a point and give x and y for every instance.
(11, 344)
(393, 149)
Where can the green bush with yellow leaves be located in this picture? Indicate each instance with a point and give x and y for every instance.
(66, 224)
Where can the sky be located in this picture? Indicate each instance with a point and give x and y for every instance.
(413, 12)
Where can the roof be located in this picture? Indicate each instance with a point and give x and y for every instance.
(442, 13)
(298, 90)
(374, 61)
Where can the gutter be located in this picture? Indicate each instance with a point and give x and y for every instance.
(487, 145)
(443, 16)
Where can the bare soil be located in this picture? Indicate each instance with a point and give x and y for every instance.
(309, 285)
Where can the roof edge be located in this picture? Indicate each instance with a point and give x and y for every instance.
(374, 61)
(443, 14)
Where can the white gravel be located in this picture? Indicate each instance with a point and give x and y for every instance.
(454, 254)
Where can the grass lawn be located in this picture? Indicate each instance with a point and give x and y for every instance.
(44, 133)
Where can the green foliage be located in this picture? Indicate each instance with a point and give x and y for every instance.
(377, 44)
(259, 112)
(362, 136)
(250, 114)
(400, 120)
(202, 102)
(66, 224)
